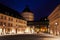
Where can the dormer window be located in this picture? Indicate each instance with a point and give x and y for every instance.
(7, 13)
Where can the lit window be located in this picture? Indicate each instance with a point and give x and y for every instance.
(16, 20)
(1, 17)
(5, 17)
(8, 24)
(7, 13)
(9, 19)
(11, 25)
(5, 23)
(1, 23)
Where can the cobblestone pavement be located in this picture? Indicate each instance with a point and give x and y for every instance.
(27, 37)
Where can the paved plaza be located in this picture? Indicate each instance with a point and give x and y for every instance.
(41, 36)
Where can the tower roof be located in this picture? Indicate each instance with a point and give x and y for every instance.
(27, 9)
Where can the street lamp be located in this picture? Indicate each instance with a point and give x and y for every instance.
(3, 29)
(56, 27)
(49, 29)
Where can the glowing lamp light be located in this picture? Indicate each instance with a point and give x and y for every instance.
(51, 32)
(56, 23)
(13, 31)
(20, 32)
(32, 30)
(27, 30)
(0, 30)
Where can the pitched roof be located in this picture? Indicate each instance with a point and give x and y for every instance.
(27, 9)
(10, 12)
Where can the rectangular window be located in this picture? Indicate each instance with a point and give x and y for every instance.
(5, 17)
(1, 17)
(4, 23)
(1, 23)
(11, 25)
(9, 19)
(16, 20)
(8, 24)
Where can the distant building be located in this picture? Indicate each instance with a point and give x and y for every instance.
(10, 21)
(54, 21)
(27, 14)
(42, 24)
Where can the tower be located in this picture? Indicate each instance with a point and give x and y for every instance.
(28, 14)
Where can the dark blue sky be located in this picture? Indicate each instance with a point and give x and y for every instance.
(41, 8)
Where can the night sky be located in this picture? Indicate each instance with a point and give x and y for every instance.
(40, 8)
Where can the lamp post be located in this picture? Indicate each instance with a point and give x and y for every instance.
(56, 27)
(3, 29)
(49, 29)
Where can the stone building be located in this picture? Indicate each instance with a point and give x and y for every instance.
(54, 21)
(11, 22)
(27, 14)
(41, 24)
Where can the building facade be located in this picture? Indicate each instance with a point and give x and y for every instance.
(11, 22)
(27, 14)
(54, 21)
(41, 25)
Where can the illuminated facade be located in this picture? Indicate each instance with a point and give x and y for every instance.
(44, 22)
(27, 14)
(11, 22)
(41, 25)
(54, 21)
